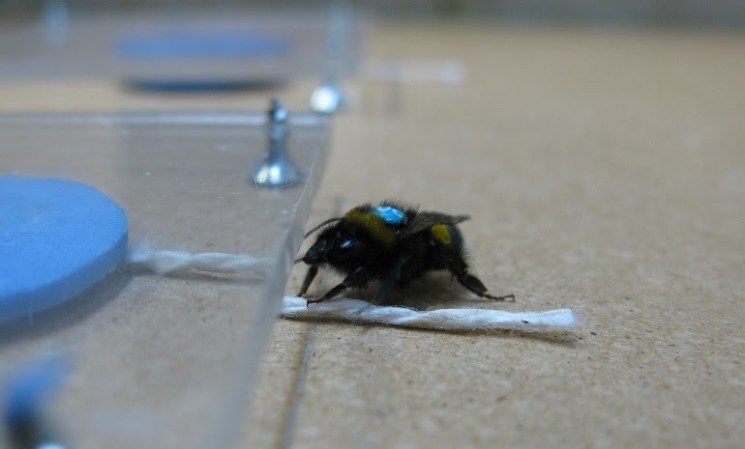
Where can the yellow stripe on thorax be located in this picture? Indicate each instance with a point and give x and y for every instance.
(441, 233)
(373, 224)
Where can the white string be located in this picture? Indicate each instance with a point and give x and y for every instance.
(354, 310)
(358, 311)
(163, 262)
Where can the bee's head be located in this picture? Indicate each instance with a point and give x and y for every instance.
(334, 245)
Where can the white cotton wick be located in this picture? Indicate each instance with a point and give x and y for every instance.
(163, 262)
(358, 311)
(354, 310)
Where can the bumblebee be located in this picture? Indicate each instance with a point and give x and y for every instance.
(392, 244)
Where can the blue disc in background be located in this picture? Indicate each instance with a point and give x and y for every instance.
(58, 238)
(194, 44)
(180, 60)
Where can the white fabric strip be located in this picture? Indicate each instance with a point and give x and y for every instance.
(357, 311)
(163, 262)
(354, 310)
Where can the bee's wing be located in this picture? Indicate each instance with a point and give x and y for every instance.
(423, 221)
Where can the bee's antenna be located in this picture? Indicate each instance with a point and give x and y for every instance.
(330, 220)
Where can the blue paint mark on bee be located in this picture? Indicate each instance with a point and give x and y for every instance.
(389, 214)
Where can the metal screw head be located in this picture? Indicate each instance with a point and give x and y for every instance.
(277, 170)
(326, 99)
(277, 112)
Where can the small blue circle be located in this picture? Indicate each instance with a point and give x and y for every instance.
(389, 214)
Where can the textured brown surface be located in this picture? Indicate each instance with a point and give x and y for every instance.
(604, 171)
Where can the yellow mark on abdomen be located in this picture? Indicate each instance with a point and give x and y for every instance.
(441, 233)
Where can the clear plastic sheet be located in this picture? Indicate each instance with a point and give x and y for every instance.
(165, 361)
(185, 45)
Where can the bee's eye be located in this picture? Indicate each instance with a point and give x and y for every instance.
(346, 244)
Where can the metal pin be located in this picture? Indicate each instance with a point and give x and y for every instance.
(277, 170)
(328, 97)
(55, 16)
(26, 395)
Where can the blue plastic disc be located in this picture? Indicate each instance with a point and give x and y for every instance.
(189, 60)
(57, 239)
(194, 44)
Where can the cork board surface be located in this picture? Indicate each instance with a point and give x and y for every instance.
(604, 171)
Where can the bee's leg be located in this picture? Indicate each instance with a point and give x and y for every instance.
(474, 284)
(385, 289)
(404, 270)
(357, 278)
(309, 276)
(459, 268)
